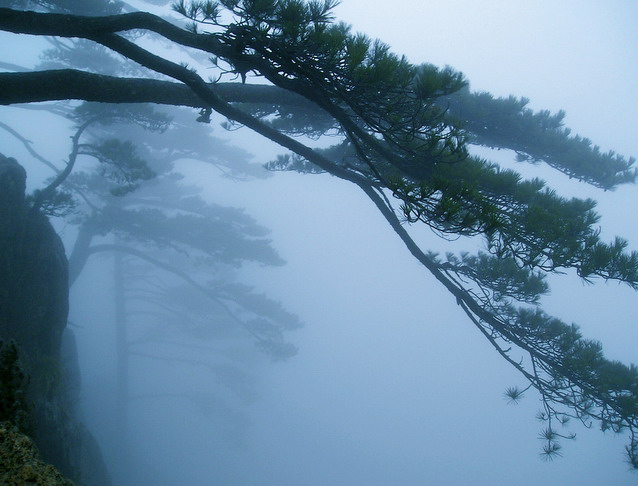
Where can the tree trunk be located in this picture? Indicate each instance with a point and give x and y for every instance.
(122, 365)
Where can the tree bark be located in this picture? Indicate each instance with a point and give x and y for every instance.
(80, 253)
(71, 84)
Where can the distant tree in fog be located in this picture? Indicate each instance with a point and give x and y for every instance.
(401, 133)
(134, 192)
(121, 190)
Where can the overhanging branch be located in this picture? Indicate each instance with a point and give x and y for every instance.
(69, 84)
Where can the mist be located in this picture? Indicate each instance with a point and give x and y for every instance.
(316, 350)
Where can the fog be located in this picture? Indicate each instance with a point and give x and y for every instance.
(391, 384)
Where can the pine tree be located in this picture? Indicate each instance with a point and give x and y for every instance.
(403, 135)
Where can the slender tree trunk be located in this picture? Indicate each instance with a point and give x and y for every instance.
(122, 368)
(80, 253)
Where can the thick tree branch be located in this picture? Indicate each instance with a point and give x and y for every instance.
(68, 84)
(66, 25)
(80, 252)
(210, 98)
(102, 30)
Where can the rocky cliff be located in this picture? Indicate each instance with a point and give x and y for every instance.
(33, 316)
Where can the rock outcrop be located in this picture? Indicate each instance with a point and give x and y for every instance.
(33, 314)
(21, 464)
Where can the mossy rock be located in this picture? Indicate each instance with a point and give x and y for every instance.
(20, 464)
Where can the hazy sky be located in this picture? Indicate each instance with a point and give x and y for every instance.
(392, 384)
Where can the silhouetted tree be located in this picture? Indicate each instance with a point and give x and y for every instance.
(135, 195)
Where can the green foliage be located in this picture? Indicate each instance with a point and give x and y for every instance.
(501, 277)
(402, 136)
(537, 136)
(119, 164)
(295, 45)
(142, 115)
(569, 371)
(551, 448)
(81, 53)
(292, 120)
(431, 82)
(207, 232)
(264, 318)
(221, 314)
(514, 394)
(58, 204)
(522, 220)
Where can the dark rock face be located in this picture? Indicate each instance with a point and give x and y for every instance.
(33, 314)
(21, 463)
(33, 277)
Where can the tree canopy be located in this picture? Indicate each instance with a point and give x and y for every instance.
(402, 134)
